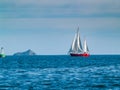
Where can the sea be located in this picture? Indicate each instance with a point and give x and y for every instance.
(60, 72)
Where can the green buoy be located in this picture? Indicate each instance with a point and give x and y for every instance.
(2, 55)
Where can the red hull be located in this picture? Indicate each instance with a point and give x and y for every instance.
(84, 54)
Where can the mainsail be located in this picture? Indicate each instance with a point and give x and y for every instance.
(76, 46)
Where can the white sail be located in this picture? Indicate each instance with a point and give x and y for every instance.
(85, 47)
(76, 46)
(79, 42)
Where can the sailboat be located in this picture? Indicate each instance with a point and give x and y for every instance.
(2, 53)
(76, 48)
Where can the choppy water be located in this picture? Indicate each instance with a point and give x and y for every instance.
(60, 73)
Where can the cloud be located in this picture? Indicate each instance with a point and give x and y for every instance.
(62, 24)
(61, 8)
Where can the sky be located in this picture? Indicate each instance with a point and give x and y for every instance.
(48, 26)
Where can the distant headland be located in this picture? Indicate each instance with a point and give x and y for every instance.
(25, 53)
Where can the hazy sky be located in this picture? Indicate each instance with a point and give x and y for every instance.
(48, 26)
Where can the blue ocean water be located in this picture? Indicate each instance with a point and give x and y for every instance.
(97, 72)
